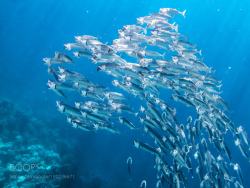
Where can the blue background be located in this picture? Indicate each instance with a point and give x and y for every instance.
(31, 30)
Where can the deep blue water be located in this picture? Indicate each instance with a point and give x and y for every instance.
(31, 30)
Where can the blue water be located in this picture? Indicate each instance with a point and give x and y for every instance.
(31, 30)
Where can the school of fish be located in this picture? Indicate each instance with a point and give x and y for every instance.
(148, 58)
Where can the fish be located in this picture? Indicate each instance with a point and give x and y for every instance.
(143, 184)
(77, 123)
(172, 11)
(53, 86)
(126, 122)
(146, 147)
(156, 136)
(114, 96)
(59, 58)
(84, 53)
(153, 62)
(237, 168)
(129, 163)
(70, 46)
(178, 157)
(241, 132)
(159, 184)
(242, 150)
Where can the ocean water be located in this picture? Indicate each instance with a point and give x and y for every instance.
(31, 30)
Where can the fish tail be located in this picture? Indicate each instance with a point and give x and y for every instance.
(164, 117)
(184, 13)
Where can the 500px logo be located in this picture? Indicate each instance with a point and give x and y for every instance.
(23, 167)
